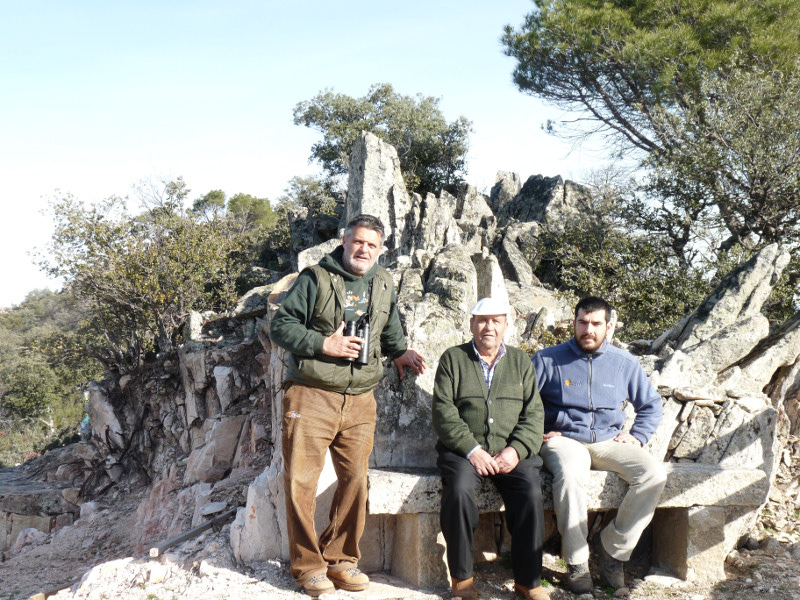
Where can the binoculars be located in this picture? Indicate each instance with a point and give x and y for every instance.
(359, 328)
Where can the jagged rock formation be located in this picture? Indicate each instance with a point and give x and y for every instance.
(454, 250)
(204, 427)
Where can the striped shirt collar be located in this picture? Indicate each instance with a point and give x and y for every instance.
(488, 370)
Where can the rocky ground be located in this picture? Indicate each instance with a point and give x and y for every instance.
(98, 558)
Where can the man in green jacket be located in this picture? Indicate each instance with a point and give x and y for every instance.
(489, 418)
(329, 405)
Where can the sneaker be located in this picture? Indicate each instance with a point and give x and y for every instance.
(317, 585)
(349, 579)
(537, 593)
(610, 568)
(579, 580)
(464, 589)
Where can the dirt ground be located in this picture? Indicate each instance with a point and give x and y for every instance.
(94, 558)
(98, 558)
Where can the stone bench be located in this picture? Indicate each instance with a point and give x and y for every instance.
(688, 528)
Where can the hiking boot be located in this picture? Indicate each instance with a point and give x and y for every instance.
(579, 580)
(350, 579)
(464, 589)
(537, 593)
(610, 569)
(317, 585)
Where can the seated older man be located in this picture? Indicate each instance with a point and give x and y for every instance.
(489, 419)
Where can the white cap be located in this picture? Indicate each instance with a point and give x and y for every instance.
(490, 306)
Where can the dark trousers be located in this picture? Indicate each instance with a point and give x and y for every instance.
(522, 495)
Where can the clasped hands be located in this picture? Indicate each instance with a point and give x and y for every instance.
(348, 346)
(484, 463)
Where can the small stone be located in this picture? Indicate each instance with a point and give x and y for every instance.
(622, 592)
(88, 509)
(213, 508)
(157, 573)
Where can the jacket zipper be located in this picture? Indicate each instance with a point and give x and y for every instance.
(591, 402)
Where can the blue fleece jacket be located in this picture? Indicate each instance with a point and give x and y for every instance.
(584, 393)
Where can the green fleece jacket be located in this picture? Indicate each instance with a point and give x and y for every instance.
(312, 311)
(465, 415)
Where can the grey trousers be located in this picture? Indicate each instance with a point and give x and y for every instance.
(570, 461)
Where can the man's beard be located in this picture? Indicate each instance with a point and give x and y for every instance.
(354, 268)
(590, 344)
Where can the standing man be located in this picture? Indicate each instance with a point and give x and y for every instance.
(329, 405)
(488, 416)
(584, 384)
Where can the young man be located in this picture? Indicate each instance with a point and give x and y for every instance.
(584, 384)
(329, 405)
(488, 416)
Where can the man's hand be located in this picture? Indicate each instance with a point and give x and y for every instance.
(626, 438)
(507, 459)
(344, 346)
(412, 359)
(483, 462)
(549, 435)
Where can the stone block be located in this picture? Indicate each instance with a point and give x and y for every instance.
(377, 543)
(419, 550)
(690, 542)
(64, 520)
(21, 522)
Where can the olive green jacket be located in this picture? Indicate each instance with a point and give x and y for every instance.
(312, 311)
(465, 415)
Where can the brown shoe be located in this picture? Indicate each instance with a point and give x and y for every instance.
(464, 589)
(349, 579)
(317, 585)
(537, 593)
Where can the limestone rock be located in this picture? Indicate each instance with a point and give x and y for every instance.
(307, 232)
(210, 462)
(701, 423)
(781, 349)
(228, 384)
(313, 255)
(740, 295)
(785, 391)
(195, 381)
(254, 303)
(106, 426)
(453, 279)
(475, 219)
(437, 227)
(375, 186)
(505, 189)
(547, 200)
(516, 265)
(28, 537)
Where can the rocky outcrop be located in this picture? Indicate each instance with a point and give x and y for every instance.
(203, 427)
(454, 250)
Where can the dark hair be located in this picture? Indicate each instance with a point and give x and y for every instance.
(368, 221)
(593, 303)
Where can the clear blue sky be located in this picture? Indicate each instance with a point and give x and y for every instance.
(99, 95)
